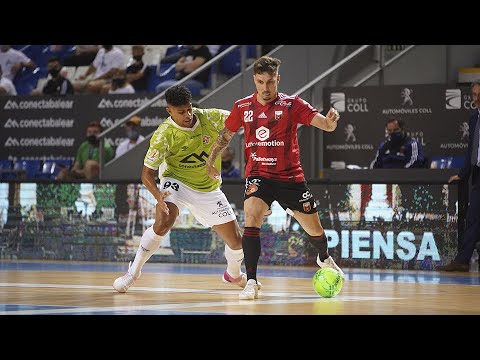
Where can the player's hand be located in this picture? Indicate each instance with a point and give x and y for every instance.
(161, 205)
(212, 172)
(453, 178)
(333, 115)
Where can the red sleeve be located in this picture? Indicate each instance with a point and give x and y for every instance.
(234, 121)
(303, 111)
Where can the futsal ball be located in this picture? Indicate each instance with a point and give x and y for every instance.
(327, 282)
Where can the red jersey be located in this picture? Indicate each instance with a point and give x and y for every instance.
(270, 131)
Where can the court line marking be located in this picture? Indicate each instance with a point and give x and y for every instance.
(293, 298)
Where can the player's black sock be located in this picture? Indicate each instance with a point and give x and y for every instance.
(251, 250)
(320, 243)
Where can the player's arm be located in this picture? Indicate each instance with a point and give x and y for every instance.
(148, 179)
(223, 139)
(326, 123)
(155, 156)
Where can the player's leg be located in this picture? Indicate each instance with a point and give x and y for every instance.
(298, 201)
(230, 233)
(316, 235)
(213, 210)
(149, 243)
(258, 199)
(152, 237)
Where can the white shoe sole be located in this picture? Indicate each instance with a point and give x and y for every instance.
(241, 296)
(259, 284)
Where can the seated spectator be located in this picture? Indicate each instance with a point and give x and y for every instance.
(57, 84)
(178, 52)
(12, 61)
(119, 84)
(134, 137)
(136, 73)
(86, 165)
(6, 85)
(229, 171)
(399, 150)
(195, 56)
(137, 70)
(108, 60)
(84, 55)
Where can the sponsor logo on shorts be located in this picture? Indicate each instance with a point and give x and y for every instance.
(307, 206)
(224, 213)
(251, 188)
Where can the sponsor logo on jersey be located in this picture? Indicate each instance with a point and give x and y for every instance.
(278, 114)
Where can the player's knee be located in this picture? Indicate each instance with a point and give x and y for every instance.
(162, 228)
(254, 220)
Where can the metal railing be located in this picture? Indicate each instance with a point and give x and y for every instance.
(382, 65)
(331, 70)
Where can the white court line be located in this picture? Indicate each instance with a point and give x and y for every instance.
(294, 298)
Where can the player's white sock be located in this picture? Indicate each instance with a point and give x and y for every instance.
(234, 261)
(149, 243)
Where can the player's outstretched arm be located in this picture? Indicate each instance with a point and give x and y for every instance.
(326, 123)
(223, 139)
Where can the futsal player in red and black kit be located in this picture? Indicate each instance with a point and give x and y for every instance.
(273, 170)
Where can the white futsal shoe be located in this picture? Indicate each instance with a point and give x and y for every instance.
(240, 281)
(123, 283)
(250, 292)
(329, 262)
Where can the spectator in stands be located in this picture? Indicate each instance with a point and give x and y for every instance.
(137, 71)
(174, 52)
(57, 84)
(136, 74)
(12, 61)
(86, 165)
(6, 85)
(195, 56)
(84, 55)
(107, 61)
(399, 150)
(132, 130)
(229, 171)
(119, 84)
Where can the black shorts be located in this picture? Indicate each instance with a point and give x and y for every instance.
(290, 195)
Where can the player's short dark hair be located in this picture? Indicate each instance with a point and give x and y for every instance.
(178, 95)
(266, 64)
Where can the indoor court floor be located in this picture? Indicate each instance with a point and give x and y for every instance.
(81, 288)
